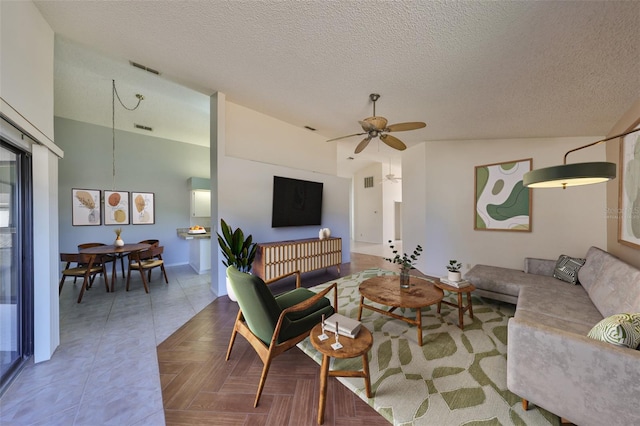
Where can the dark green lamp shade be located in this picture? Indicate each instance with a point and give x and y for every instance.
(570, 175)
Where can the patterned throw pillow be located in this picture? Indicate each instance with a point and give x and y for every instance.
(567, 268)
(619, 329)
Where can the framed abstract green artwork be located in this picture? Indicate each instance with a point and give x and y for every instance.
(502, 202)
(629, 191)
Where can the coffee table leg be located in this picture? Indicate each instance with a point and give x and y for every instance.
(419, 323)
(365, 370)
(460, 312)
(470, 304)
(324, 371)
(360, 309)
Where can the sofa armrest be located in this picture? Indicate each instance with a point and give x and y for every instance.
(583, 380)
(539, 266)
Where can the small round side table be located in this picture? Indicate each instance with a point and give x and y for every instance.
(459, 290)
(351, 348)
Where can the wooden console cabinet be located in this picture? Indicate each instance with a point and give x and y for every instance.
(282, 257)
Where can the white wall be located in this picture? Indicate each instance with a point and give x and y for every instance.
(26, 70)
(628, 121)
(244, 186)
(441, 218)
(391, 193)
(254, 136)
(26, 89)
(368, 202)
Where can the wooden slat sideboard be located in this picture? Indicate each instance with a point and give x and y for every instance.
(282, 257)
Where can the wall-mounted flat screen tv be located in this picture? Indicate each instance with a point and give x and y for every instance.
(296, 202)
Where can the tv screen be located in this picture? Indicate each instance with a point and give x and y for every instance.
(296, 202)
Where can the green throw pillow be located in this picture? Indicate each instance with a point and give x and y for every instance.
(619, 329)
(567, 268)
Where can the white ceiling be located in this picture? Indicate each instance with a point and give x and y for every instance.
(470, 70)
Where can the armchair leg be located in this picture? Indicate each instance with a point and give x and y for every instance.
(263, 378)
(233, 335)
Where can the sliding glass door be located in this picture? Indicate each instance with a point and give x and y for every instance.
(16, 288)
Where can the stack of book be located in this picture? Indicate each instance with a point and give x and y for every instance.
(458, 284)
(346, 326)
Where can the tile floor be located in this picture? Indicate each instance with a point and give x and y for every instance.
(105, 371)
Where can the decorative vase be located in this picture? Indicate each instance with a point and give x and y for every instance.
(321, 234)
(118, 242)
(230, 292)
(454, 276)
(404, 278)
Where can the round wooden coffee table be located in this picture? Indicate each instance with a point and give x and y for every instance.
(351, 348)
(386, 291)
(461, 308)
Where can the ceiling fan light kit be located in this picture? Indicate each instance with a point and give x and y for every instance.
(375, 126)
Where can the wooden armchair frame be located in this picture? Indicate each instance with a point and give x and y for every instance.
(267, 353)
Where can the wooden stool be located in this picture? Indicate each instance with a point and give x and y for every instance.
(461, 309)
(351, 348)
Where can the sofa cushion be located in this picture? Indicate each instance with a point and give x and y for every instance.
(561, 305)
(505, 280)
(619, 329)
(615, 287)
(567, 268)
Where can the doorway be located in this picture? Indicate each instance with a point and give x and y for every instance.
(16, 272)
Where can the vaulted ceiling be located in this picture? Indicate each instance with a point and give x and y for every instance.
(470, 70)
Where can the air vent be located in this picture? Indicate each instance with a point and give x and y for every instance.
(142, 67)
(141, 127)
(310, 128)
(368, 182)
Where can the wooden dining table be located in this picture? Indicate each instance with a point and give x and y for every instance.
(114, 250)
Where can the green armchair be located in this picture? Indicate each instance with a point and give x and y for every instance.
(274, 324)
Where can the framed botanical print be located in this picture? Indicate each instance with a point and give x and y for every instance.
(502, 202)
(142, 208)
(85, 207)
(629, 190)
(116, 207)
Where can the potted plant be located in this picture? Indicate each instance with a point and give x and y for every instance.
(405, 261)
(454, 270)
(237, 251)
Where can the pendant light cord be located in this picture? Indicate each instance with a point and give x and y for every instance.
(114, 95)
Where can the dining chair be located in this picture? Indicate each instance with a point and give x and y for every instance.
(275, 324)
(152, 243)
(145, 261)
(85, 268)
(103, 258)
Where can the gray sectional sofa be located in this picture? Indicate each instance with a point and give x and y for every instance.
(550, 360)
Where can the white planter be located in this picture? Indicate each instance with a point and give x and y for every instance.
(454, 276)
(230, 292)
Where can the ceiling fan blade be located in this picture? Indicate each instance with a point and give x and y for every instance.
(362, 145)
(348, 136)
(393, 142)
(401, 127)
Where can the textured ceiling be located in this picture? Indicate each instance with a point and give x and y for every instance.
(470, 70)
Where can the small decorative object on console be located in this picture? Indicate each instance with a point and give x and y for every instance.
(324, 233)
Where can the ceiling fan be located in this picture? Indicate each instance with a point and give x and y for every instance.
(391, 177)
(377, 127)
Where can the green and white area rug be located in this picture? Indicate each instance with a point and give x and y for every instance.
(456, 378)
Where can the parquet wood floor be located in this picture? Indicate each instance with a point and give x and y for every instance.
(200, 388)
